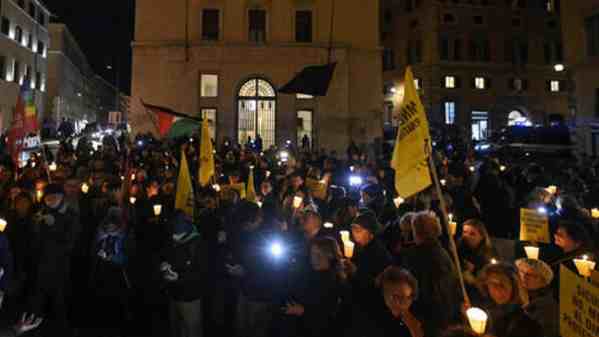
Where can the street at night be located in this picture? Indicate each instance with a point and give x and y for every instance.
(299, 168)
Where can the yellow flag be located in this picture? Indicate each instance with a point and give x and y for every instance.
(206, 156)
(184, 199)
(410, 159)
(250, 195)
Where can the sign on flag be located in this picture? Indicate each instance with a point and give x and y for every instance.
(413, 145)
(534, 226)
(184, 199)
(206, 155)
(578, 305)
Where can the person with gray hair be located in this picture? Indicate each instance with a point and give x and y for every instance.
(440, 299)
(536, 277)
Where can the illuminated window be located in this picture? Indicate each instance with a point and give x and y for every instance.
(449, 108)
(450, 82)
(480, 83)
(256, 109)
(303, 96)
(304, 126)
(209, 85)
(554, 86)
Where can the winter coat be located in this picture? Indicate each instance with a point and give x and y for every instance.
(370, 262)
(544, 309)
(186, 260)
(378, 322)
(439, 302)
(511, 320)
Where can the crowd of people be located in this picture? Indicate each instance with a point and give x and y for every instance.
(92, 244)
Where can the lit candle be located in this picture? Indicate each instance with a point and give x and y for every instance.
(494, 261)
(39, 194)
(157, 210)
(122, 178)
(216, 187)
(259, 203)
(328, 225)
(133, 176)
(472, 168)
(477, 319)
(344, 235)
(595, 213)
(267, 174)
(297, 202)
(584, 266)
(443, 182)
(85, 188)
(452, 227)
(3, 224)
(53, 167)
(348, 249)
(351, 168)
(532, 252)
(551, 189)
(502, 168)
(132, 200)
(398, 201)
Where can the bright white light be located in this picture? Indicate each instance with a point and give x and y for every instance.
(276, 249)
(542, 210)
(355, 180)
(393, 89)
(559, 67)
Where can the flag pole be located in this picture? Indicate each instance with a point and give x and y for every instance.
(445, 222)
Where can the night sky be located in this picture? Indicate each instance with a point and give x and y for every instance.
(104, 31)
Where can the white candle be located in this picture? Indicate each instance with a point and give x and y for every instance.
(297, 202)
(53, 167)
(157, 210)
(532, 252)
(85, 188)
(552, 189)
(398, 201)
(344, 235)
(477, 319)
(472, 168)
(133, 176)
(348, 248)
(595, 213)
(39, 194)
(494, 261)
(216, 187)
(452, 227)
(443, 182)
(3, 224)
(132, 200)
(502, 168)
(328, 225)
(584, 266)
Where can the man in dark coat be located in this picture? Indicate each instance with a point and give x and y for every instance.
(53, 245)
(440, 300)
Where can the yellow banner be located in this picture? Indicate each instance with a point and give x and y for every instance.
(413, 144)
(184, 198)
(578, 305)
(318, 189)
(251, 189)
(534, 226)
(207, 169)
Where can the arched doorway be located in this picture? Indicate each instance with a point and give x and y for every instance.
(256, 111)
(517, 118)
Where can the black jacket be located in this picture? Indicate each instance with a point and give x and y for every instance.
(370, 262)
(379, 322)
(186, 260)
(440, 299)
(511, 321)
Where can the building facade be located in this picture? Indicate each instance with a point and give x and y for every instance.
(74, 91)
(23, 54)
(225, 59)
(479, 64)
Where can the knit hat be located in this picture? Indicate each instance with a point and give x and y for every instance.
(540, 267)
(54, 189)
(367, 221)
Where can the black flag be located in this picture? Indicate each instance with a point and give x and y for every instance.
(312, 80)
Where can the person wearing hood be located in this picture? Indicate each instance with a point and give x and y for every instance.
(536, 277)
(109, 276)
(508, 298)
(183, 272)
(53, 237)
(373, 198)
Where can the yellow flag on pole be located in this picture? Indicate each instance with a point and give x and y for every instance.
(184, 198)
(206, 156)
(413, 144)
(250, 195)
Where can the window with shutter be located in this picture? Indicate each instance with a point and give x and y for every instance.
(257, 25)
(210, 24)
(303, 26)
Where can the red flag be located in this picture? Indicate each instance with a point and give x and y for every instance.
(24, 121)
(163, 118)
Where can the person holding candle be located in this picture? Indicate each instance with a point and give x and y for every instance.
(440, 298)
(475, 251)
(574, 240)
(315, 303)
(501, 284)
(536, 277)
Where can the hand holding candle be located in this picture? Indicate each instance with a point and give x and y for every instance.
(532, 252)
(477, 319)
(452, 226)
(595, 213)
(344, 235)
(84, 188)
(132, 200)
(157, 210)
(398, 201)
(584, 266)
(348, 249)
(3, 225)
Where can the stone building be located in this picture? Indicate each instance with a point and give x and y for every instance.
(225, 60)
(479, 64)
(23, 54)
(74, 91)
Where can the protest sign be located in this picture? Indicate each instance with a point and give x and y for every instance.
(579, 304)
(534, 226)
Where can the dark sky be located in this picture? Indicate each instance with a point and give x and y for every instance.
(104, 31)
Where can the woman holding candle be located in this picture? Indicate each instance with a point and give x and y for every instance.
(501, 284)
(316, 302)
(536, 277)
